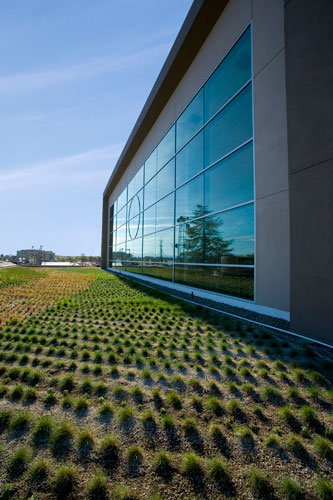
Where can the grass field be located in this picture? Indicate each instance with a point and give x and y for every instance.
(108, 390)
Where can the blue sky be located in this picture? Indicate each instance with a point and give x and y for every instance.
(74, 76)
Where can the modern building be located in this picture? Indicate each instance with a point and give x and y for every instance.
(225, 185)
(35, 256)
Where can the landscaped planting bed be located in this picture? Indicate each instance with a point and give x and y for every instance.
(110, 390)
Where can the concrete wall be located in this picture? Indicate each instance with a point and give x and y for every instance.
(271, 155)
(272, 219)
(309, 78)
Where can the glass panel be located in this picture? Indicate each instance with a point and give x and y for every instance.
(190, 121)
(230, 182)
(158, 270)
(230, 128)
(236, 281)
(121, 217)
(134, 267)
(138, 180)
(118, 252)
(150, 220)
(233, 72)
(164, 245)
(134, 228)
(236, 227)
(165, 180)
(151, 165)
(165, 212)
(189, 199)
(189, 161)
(113, 238)
(111, 212)
(149, 248)
(226, 238)
(134, 250)
(121, 234)
(122, 200)
(158, 247)
(188, 242)
(166, 148)
(135, 184)
(135, 205)
(150, 192)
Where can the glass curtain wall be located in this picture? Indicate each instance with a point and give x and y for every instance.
(188, 214)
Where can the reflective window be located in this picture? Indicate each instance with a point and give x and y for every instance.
(135, 205)
(236, 281)
(165, 212)
(151, 165)
(230, 182)
(175, 219)
(149, 216)
(229, 237)
(122, 200)
(189, 242)
(166, 148)
(165, 180)
(158, 247)
(134, 250)
(190, 121)
(121, 217)
(159, 270)
(136, 184)
(229, 77)
(121, 234)
(134, 228)
(230, 128)
(189, 199)
(150, 192)
(189, 161)
(149, 247)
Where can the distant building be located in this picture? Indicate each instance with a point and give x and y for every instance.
(59, 264)
(34, 256)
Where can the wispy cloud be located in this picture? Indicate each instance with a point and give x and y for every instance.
(37, 80)
(93, 164)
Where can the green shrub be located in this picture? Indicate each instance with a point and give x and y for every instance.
(39, 471)
(64, 480)
(291, 490)
(18, 461)
(218, 471)
(109, 450)
(62, 437)
(309, 416)
(5, 417)
(272, 441)
(85, 441)
(42, 430)
(20, 422)
(174, 400)
(259, 483)
(295, 446)
(324, 489)
(106, 410)
(134, 454)
(191, 465)
(214, 406)
(123, 492)
(162, 463)
(323, 448)
(97, 488)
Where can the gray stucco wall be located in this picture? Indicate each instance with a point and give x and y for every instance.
(272, 199)
(309, 78)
